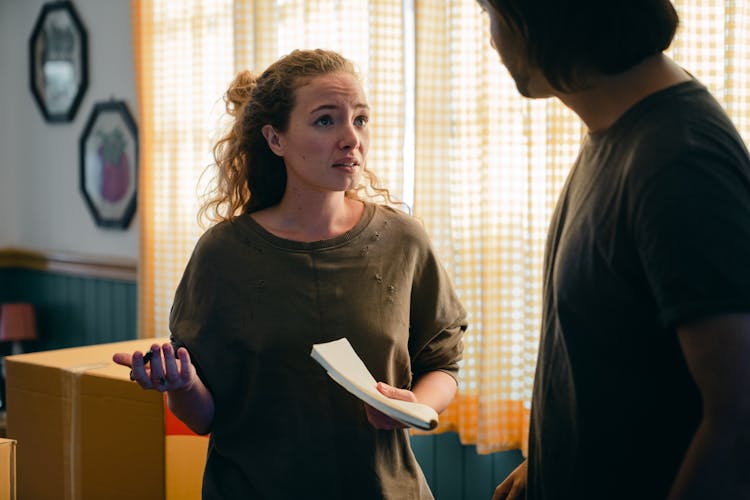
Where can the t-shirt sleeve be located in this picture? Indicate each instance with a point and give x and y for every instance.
(438, 320)
(193, 314)
(692, 230)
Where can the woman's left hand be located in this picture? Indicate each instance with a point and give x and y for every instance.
(382, 421)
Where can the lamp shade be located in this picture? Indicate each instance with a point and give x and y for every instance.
(17, 322)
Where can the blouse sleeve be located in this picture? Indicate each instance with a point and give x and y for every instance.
(438, 319)
(193, 314)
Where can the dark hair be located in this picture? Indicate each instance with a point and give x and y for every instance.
(567, 39)
(249, 175)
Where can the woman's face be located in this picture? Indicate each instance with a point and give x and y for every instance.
(325, 145)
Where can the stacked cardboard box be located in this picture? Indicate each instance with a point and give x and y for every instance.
(7, 469)
(86, 431)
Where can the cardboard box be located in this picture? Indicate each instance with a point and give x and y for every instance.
(7, 469)
(86, 431)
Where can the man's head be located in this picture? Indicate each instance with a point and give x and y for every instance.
(565, 41)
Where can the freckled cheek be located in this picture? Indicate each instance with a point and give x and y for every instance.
(313, 150)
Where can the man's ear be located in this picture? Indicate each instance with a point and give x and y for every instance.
(272, 139)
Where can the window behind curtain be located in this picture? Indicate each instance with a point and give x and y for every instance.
(487, 168)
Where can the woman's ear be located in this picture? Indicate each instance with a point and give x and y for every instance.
(273, 139)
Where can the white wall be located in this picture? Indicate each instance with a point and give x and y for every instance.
(41, 207)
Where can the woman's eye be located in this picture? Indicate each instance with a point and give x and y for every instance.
(361, 121)
(324, 120)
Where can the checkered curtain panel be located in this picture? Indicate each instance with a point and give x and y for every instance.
(487, 166)
(183, 59)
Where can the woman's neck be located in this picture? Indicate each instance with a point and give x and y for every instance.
(309, 220)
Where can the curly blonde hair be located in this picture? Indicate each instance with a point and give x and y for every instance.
(249, 176)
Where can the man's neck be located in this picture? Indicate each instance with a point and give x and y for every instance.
(610, 96)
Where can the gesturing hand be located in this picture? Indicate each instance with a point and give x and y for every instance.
(159, 369)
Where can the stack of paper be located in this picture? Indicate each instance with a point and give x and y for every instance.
(346, 368)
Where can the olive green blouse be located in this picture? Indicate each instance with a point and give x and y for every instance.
(249, 308)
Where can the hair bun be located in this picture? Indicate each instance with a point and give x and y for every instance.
(239, 92)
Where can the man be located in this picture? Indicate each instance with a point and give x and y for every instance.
(642, 388)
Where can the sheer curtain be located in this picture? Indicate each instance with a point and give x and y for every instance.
(184, 61)
(487, 166)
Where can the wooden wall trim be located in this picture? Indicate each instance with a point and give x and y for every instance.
(70, 263)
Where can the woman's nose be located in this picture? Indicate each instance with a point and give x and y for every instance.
(349, 138)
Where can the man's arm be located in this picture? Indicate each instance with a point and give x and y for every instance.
(716, 465)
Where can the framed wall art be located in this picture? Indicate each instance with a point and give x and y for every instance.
(109, 164)
(58, 61)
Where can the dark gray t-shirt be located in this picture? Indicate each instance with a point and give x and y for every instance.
(249, 308)
(652, 231)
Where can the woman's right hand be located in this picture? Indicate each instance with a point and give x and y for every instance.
(514, 486)
(164, 372)
(187, 396)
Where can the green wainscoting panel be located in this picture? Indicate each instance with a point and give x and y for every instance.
(449, 467)
(456, 472)
(424, 449)
(72, 310)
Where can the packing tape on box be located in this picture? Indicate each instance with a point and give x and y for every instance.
(71, 389)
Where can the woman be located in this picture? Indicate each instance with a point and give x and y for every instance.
(297, 258)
